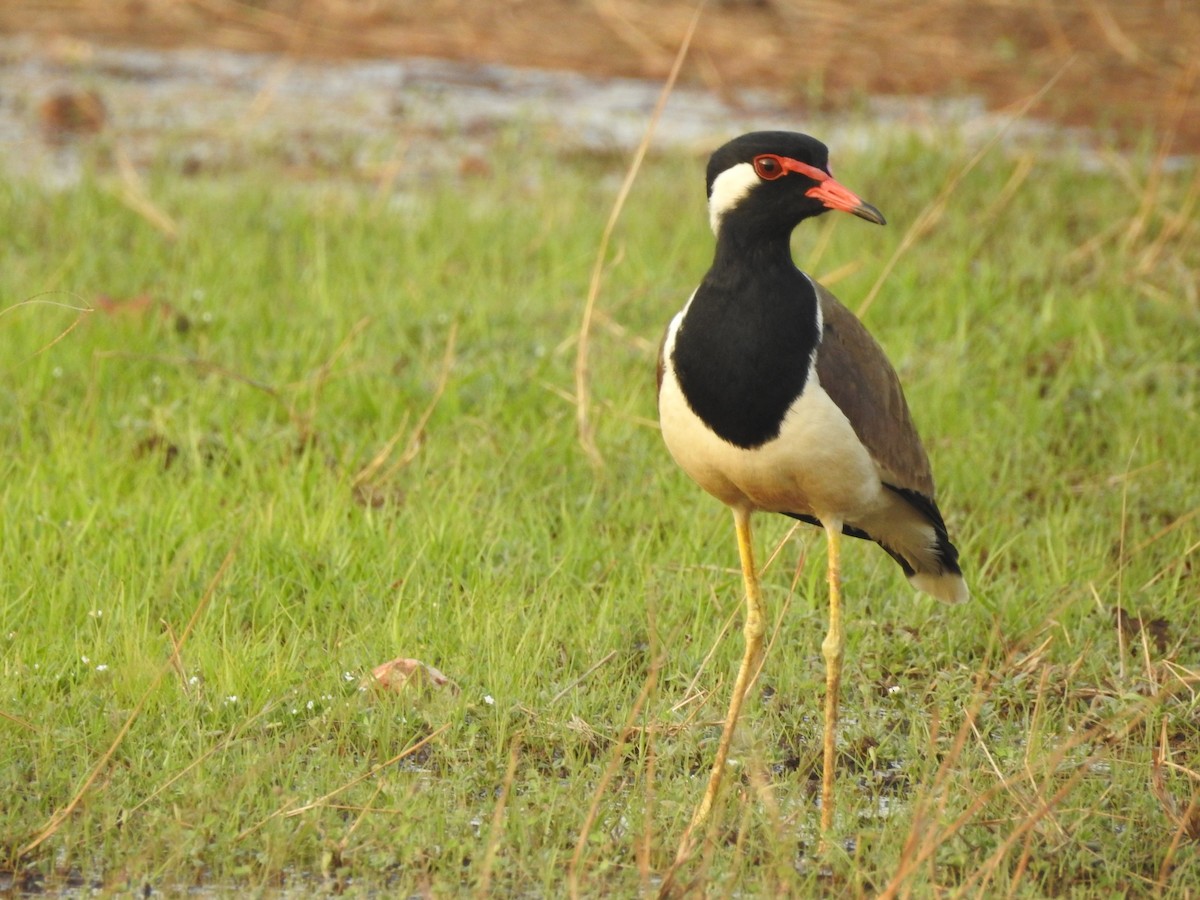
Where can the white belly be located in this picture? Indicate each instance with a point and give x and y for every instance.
(816, 465)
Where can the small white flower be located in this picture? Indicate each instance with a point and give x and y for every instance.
(103, 667)
(346, 676)
(489, 699)
(894, 689)
(85, 660)
(195, 679)
(232, 698)
(308, 705)
(96, 613)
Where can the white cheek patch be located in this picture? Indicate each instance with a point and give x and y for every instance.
(728, 189)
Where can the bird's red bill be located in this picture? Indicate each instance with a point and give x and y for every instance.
(829, 191)
(835, 195)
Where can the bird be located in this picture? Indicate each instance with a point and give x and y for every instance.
(774, 397)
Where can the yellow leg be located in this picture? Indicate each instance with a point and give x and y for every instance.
(833, 648)
(754, 632)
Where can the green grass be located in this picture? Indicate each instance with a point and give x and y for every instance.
(1049, 349)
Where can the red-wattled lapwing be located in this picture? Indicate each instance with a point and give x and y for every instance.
(773, 396)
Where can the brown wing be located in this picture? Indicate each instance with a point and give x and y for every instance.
(856, 374)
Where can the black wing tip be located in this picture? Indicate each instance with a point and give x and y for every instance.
(944, 551)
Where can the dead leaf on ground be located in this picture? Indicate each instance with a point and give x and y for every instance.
(402, 674)
(141, 306)
(375, 496)
(137, 305)
(1186, 820)
(157, 447)
(1158, 630)
(69, 113)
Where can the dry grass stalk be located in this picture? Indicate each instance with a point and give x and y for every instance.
(207, 367)
(583, 419)
(928, 218)
(17, 720)
(134, 195)
(321, 377)
(57, 820)
(288, 811)
(926, 836)
(610, 769)
(495, 833)
(1187, 822)
(36, 299)
(1173, 226)
(582, 678)
(230, 738)
(628, 31)
(645, 846)
(370, 472)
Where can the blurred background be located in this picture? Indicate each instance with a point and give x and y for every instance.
(1130, 67)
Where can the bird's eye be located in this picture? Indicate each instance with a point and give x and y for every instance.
(769, 167)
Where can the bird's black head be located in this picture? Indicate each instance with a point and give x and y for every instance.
(770, 181)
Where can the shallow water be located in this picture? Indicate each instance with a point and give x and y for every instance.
(213, 111)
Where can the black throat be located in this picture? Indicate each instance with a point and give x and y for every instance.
(743, 351)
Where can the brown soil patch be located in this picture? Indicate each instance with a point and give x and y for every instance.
(1133, 64)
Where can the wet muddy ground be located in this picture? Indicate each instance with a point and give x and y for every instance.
(211, 111)
(1121, 67)
(330, 88)
(1128, 71)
